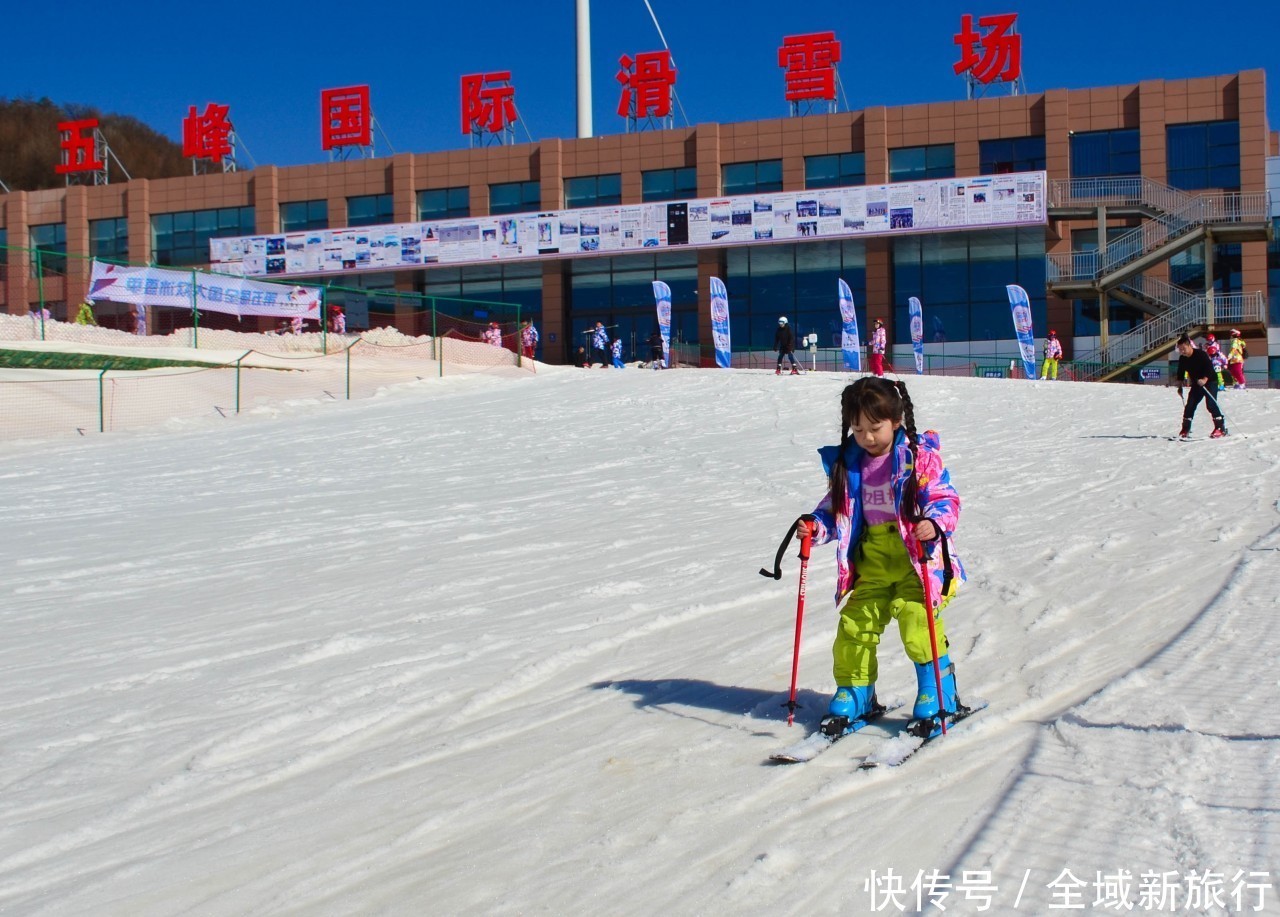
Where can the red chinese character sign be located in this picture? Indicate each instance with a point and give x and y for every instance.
(81, 151)
(1000, 60)
(345, 118)
(489, 106)
(809, 62)
(208, 135)
(647, 84)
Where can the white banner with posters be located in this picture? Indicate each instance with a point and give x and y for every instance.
(936, 205)
(166, 287)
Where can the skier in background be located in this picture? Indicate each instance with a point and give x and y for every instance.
(656, 358)
(84, 316)
(878, 344)
(1196, 369)
(528, 338)
(1236, 357)
(784, 341)
(600, 345)
(889, 495)
(492, 335)
(615, 350)
(1052, 354)
(1217, 358)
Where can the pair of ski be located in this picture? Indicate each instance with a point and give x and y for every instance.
(889, 752)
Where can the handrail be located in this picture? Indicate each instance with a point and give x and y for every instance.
(1127, 190)
(1199, 211)
(1179, 213)
(1228, 308)
(1159, 291)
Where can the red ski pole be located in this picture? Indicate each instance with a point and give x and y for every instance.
(933, 636)
(805, 541)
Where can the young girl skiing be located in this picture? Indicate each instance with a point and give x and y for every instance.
(889, 496)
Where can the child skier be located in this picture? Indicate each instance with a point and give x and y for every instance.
(1052, 354)
(1235, 359)
(528, 338)
(878, 347)
(1217, 358)
(615, 350)
(889, 497)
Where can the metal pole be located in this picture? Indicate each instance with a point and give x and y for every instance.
(435, 338)
(324, 323)
(353, 344)
(245, 354)
(40, 289)
(195, 315)
(101, 400)
(583, 33)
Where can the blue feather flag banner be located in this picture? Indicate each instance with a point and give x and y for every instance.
(849, 342)
(662, 293)
(917, 332)
(720, 323)
(1020, 303)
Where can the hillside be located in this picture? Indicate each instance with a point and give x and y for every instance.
(30, 151)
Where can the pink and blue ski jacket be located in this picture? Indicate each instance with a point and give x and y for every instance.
(878, 340)
(937, 500)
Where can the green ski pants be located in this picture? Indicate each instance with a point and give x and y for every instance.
(887, 588)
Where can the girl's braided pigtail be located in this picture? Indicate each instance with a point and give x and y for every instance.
(911, 490)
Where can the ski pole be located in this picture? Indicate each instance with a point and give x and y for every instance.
(933, 634)
(806, 542)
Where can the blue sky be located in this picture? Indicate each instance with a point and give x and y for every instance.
(269, 62)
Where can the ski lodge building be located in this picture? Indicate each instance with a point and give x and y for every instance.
(1128, 213)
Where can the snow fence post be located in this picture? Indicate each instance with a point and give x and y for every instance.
(101, 400)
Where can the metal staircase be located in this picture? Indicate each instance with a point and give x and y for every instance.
(1188, 313)
(1173, 221)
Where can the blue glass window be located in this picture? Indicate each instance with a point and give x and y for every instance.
(515, 197)
(370, 210)
(618, 291)
(183, 238)
(837, 170)
(960, 279)
(1273, 275)
(1105, 154)
(593, 190)
(752, 177)
(444, 203)
(669, 184)
(1203, 155)
(915, 163)
(299, 216)
(51, 240)
(1017, 154)
(798, 281)
(109, 239)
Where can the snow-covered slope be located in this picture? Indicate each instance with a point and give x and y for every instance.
(500, 646)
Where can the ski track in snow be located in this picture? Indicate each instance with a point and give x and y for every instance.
(499, 645)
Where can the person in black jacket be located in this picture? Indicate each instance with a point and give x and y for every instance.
(1196, 368)
(784, 341)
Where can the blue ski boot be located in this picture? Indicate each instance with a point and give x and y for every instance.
(926, 717)
(850, 709)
